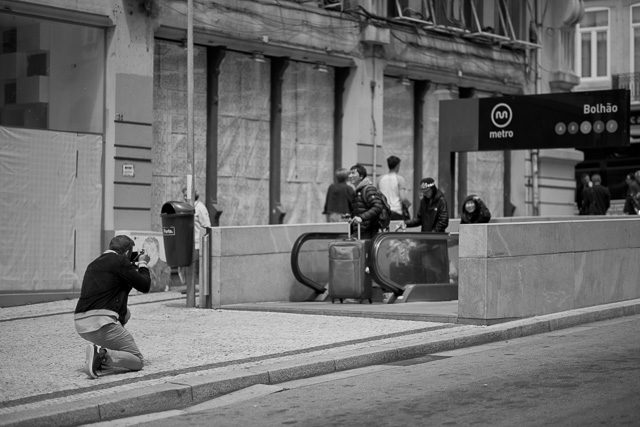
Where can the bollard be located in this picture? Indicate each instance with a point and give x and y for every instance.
(205, 271)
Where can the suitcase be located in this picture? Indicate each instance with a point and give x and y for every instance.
(347, 276)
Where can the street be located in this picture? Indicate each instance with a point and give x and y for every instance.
(586, 375)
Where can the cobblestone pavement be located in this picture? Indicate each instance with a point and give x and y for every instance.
(43, 356)
(193, 354)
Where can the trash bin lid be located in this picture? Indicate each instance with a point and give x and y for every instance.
(177, 208)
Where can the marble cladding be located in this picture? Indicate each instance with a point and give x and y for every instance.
(267, 252)
(525, 269)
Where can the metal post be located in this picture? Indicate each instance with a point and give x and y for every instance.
(191, 291)
(205, 271)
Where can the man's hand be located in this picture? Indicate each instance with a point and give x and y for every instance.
(144, 258)
(357, 220)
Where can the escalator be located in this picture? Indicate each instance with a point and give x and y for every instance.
(413, 266)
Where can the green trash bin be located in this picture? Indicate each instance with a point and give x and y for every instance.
(177, 233)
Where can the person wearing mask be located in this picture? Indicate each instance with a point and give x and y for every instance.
(474, 211)
(101, 311)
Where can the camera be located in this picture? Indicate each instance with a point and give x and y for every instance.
(135, 255)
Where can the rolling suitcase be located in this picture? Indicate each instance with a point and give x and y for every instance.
(347, 276)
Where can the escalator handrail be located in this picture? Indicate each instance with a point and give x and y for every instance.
(295, 268)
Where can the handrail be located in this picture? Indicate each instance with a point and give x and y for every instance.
(295, 251)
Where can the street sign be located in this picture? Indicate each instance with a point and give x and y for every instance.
(562, 120)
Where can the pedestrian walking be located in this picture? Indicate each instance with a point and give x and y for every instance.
(597, 198)
(339, 198)
(394, 187)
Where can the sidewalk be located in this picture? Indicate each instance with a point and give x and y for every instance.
(193, 355)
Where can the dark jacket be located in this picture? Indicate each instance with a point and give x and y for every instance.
(339, 198)
(480, 216)
(368, 206)
(597, 200)
(432, 215)
(107, 283)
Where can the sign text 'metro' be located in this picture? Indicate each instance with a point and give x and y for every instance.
(563, 120)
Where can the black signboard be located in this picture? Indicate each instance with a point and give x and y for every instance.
(561, 120)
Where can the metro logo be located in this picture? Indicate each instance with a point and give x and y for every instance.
(501, 115)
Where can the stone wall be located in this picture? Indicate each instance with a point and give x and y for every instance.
(520, 269)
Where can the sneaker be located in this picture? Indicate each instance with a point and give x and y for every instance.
(94, 360)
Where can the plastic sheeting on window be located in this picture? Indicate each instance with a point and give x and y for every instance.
(51, 205)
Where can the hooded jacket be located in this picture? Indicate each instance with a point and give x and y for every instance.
(432, 216)
(368, 206)
(480, 216)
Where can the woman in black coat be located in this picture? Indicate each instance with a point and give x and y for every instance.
(474, 211)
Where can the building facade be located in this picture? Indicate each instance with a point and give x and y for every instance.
(109, 108)
(608, 57)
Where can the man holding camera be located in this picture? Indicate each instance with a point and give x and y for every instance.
(102, 312)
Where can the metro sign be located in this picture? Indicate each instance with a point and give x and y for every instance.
(563, 120)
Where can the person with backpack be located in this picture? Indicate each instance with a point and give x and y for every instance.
(394, 187)
(368, 205)
(433, 216)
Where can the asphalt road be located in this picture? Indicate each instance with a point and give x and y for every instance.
(582, 376)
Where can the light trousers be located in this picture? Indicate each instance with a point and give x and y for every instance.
(123, 353)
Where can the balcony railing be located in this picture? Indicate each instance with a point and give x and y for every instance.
(629, 81)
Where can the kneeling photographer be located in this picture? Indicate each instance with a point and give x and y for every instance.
(102, 312)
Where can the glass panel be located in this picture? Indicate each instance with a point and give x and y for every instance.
(313, 261)
(416, 258)
(599, 18)
(635, 14)
(585, 60)
(57, 72)
(636, 50)
(602, 53)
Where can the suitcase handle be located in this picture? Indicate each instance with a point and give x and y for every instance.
(358, 224)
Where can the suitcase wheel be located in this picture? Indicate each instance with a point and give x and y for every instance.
(333, 301)
(370, 301)
(340, 300)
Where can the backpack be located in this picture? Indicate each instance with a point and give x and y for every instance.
(384, 219)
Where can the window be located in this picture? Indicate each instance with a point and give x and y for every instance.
(51, 74)
(593, 44)
(635, 38)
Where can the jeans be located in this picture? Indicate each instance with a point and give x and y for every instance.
(123, 353)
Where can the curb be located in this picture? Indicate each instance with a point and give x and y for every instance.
(190, 391)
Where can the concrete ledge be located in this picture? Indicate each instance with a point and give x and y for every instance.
(66, 414)
(145, 400)
(207, 387)
(288, 371)
(518, 270)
